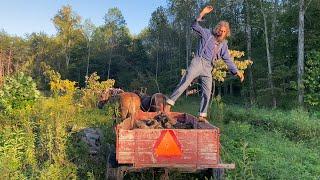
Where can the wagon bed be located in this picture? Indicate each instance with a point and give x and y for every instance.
(190, 149)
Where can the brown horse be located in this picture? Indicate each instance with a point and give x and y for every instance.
(129, 104)
(154, 103)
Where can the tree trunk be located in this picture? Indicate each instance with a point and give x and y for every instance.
(109, 65)
(231, 88)
(249, 45)
(273, 28)
(1, 67)
(301, 52)
(179, 55)
(225, 88)
(67, 51)
(88, 59)
(270, 81)
(9, 62)
(187, 49)
(157, 63)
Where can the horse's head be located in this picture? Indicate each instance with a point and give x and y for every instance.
(106, 95)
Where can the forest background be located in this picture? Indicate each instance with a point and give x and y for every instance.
(50, 84)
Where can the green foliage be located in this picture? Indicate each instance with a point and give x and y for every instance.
(261, 154)
(217, 109)
(312, 80)
(265, 144)
(18, 92)
(17, 146)
(296, 125)
(57, 85)
(90, 94)
(12, 152)
(220, 69)
(58, 171)
(43, 141)
(59, 132)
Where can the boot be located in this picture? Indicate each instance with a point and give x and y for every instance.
(167, 108)
(202, 119)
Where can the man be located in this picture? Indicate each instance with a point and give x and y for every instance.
(213, 46)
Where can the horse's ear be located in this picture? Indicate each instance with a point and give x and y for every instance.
(137, 92)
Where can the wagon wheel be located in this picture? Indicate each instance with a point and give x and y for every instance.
(218, 173)
(165, 175)
(215, 173)
(113, 171)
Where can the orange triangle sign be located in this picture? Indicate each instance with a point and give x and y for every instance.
(168, 145)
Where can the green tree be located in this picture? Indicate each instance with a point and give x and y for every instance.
(68, 25)
(88, 29)
(312, 79)
(114, 28)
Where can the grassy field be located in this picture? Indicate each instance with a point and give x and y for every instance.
(44, 141)
(265, 144)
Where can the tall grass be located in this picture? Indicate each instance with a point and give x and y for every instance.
(43, 142)
(264, 143)
(297, 125)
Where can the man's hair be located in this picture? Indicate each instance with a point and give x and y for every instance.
(220, 24)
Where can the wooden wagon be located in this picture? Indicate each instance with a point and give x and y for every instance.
(186, 150)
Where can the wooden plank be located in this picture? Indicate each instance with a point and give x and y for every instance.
(188, 146)
(207, 158)
(223, 166)
(126, 146)
(150, 158)
(186, 134)
(145, 157)
(125, 134)
(125, 157)
(208, 147)
(186, 158)
(189, 167)
(207, 136)
(144, 145)
(147, 134)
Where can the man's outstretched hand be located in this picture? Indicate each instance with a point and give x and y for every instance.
(204, 11)
(207, 9)
(240, 75)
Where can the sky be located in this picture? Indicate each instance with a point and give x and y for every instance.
(19, 17)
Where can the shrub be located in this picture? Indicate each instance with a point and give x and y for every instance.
(89, 95)
(17, 92)
(312, 79)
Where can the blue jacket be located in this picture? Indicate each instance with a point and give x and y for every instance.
(208, 44)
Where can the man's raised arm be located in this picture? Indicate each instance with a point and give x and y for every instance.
(195, 25)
